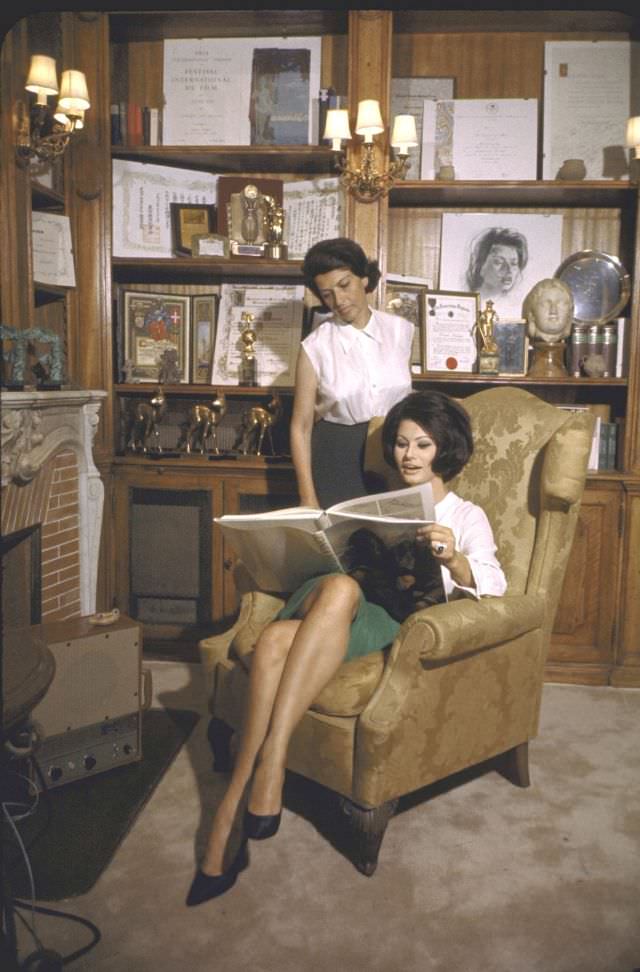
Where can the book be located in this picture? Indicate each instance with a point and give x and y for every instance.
(116, 133)
(622, 348)
(284, 548)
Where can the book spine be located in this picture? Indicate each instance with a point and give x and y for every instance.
(134, 124)
(146, 125)
(603, 446)
(154, 119)
(325, 544)
(124, 127)
(594, 454)
(622, 347)
(116, 131)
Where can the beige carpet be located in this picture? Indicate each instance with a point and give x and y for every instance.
(478, 877)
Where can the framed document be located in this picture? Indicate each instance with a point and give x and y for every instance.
(52, 249)
(405, 300)
(314, 211)
(204, 310)
(156, 330)
(189, 220)
(280, 102)
(210, 245)
(449, 321)
(408, 95)
(513, 346)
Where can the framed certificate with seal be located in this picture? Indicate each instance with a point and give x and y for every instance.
(156, 333)
(449, 320)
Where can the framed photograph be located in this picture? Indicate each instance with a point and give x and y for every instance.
(210, 245)
(405, 300)
(499, 255)
(204, 309)
(189, 220)
(513, 345)
(449, 321)
(156, 335)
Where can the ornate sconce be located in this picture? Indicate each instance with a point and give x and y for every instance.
(44, 133)
(365, 182)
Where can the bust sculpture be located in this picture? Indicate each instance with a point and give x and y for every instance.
(548, 309)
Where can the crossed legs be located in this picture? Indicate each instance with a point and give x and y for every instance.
(292, 662)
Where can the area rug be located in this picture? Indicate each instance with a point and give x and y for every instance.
(73, 834)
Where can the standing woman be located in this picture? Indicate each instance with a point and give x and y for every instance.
(354, 366)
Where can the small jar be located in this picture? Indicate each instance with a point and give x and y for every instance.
(577, 349)
(572, 170)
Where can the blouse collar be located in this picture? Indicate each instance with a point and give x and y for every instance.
(348, 334)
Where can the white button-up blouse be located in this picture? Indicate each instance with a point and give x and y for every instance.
(361, 372)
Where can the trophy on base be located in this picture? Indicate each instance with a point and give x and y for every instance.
(489, 354)
(275, 247)
(248, 371)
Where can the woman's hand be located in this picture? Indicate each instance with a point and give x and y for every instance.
(443, 547)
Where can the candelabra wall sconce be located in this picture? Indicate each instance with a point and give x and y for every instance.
(633, 141)
(44, 132)
(366, 183)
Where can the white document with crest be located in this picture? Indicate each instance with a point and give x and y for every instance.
(314, 211)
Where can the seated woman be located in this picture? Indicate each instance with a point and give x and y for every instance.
(337, 617)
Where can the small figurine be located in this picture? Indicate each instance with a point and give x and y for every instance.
(275, 247)
(256, 422)
(486, 325)
(146, 419)
(169, 373)
(203, 423)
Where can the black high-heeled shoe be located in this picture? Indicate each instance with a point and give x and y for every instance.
(207, 886)
(261, 827)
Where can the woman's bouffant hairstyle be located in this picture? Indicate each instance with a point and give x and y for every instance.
(481, 247)
(338, 254)
(446, 421)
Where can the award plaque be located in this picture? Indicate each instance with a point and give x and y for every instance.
(599, 283)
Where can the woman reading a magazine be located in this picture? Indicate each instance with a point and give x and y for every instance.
(338, 617)
(352, 367)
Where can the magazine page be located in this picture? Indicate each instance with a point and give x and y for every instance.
(412, 503)
(279, 557)
(299, 517)
(394, 534)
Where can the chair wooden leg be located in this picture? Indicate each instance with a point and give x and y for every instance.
(367, 828)
(516, 765)
(219, 735)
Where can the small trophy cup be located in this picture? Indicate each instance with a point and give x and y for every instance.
(246, 215)
(248, 368)
(489, 354)
(275, 248)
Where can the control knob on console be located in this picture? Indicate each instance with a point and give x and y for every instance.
(89, 762)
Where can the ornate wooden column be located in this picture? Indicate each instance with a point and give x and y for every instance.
(370, 33)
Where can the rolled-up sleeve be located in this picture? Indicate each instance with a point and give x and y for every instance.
(474, 538)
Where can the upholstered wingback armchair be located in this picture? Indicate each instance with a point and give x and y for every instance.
(462, 682)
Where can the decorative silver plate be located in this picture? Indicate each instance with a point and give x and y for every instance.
(599, 283)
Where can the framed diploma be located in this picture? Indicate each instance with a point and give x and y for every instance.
(513, 347)
(210, 245)
(449, 321)
(189, 220)
(156, 335)
(204, 309)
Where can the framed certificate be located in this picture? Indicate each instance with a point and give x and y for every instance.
(203, 334)
(405, 300)
(156, 333)
(449, 321)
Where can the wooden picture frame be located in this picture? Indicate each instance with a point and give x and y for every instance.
(153, 324)
(189, 220)
(449, 322)
(316, 316)
(405, 299)
(513, 345)
(204, 312)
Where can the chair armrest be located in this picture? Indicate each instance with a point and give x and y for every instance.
(463, 626)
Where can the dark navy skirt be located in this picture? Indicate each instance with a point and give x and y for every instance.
(337, 461)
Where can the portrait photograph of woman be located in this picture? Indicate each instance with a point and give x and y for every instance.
(499, 255)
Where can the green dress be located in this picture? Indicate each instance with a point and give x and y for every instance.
(371, 630)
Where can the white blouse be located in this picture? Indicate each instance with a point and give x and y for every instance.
(474, 538)
(361, 372)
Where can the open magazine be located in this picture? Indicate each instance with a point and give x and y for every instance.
(284, 548)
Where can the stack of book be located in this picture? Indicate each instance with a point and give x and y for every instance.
(133, 124)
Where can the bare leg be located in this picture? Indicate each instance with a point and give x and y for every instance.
(317, 651)
(269, 658)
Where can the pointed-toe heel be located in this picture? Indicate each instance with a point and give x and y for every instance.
(261, 827)
(204, 887)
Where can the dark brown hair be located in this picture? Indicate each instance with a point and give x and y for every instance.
(444, 419)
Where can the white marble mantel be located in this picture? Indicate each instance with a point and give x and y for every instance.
(35, 426)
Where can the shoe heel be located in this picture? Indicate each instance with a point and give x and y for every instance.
(261, 827)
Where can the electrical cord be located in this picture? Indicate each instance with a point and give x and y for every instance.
(52, 912)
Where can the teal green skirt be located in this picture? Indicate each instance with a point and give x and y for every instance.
(371, 630)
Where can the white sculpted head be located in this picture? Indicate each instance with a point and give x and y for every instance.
(548, 309)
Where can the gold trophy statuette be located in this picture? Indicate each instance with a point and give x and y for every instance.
(248, 369)
(275, 247)
(489, 354)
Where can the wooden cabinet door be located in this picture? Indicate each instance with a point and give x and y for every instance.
(582, 644)
(249, 495)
